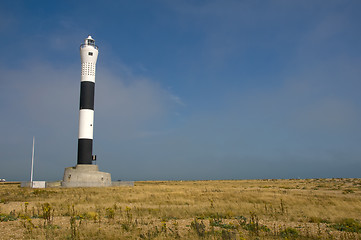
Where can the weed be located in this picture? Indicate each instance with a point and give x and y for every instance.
(128, 214)
(253, 226)
(28, 225)
(211, 203)
(317, 220)
(282, 206)
(228, 235)
(109, 213)
(174, 230)
(199, 228)
(74, 226)
(7, 217)
(219, 223)
(26, 204)
(348, 225)
(151, 234)
(91, 216)
(164, 227)
(125, 226)
(43, 192)
(347, 191)
(289, 233)
(47, 213)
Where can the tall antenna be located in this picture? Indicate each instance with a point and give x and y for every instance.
(32, 164)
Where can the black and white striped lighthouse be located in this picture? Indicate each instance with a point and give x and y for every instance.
(88, 55)
(85, 174)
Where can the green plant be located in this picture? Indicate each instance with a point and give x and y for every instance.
(348, 225)
(253, 225)
(174, 230)
(150, 234)
(28, 225)
(125, 226)
(74, 226)
(219, 223)
(42, 192)
(212, 203)
(199, 228)
(92, 216)
(128, 214)
(7, 217)
(47, 213)
(228, 235)
(109, 213)
(282, 206)
(317, 220)
(289, 233)
(164, 227)
(26, 204)
(347, 191)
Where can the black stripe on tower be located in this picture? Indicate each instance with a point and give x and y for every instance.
(85, 146)
(87, 95)
(85, 149)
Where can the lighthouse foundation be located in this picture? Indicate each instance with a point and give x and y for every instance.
(85, 175)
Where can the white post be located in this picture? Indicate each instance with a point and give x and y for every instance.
(32, 165)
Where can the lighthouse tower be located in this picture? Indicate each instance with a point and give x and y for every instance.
(88, 56)
(85, 174)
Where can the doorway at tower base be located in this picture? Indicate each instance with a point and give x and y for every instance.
(85, 175)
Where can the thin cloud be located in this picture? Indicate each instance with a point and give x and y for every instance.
(42, 100)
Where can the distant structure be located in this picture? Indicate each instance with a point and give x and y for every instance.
(85, 174)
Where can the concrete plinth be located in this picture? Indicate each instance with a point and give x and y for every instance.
(84, 175)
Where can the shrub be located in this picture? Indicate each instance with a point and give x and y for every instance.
(318, 220)
(199, 228)
(109, 213)
(7, 217)
(219, 223)
(348, 225)
(91, 216)
(289, 233)
(253, 225)
(347, 191)
(47, 212)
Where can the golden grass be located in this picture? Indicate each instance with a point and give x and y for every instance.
(229, 209)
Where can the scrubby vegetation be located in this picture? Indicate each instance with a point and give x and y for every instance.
(239, 209)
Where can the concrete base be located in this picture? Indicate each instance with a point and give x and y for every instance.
(84, 175)
(34, 184)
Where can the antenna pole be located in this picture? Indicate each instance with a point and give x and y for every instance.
(32, 164)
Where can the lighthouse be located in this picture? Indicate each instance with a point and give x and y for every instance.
(88, 56)
(85, 174)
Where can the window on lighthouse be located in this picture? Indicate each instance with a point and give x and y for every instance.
(90, 53)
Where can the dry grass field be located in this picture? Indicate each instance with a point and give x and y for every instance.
(234, 209)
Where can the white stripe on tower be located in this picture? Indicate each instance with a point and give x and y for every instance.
(88, 55)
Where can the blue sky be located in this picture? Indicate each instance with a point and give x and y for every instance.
(184, 89)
